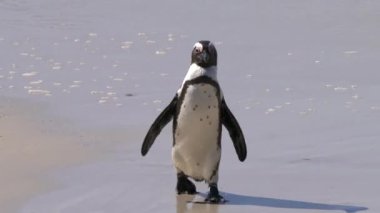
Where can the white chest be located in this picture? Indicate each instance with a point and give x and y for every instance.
(199, 112)
(196, 150)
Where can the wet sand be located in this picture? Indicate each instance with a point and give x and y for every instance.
(32, 145)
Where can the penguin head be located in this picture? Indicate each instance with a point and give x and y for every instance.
(204, 54)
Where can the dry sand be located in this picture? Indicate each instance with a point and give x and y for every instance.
(31, 146)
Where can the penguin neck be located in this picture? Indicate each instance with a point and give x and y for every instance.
(196, 71)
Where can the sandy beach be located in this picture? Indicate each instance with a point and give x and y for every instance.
(81, 81)
(35, 145)
(31, 146)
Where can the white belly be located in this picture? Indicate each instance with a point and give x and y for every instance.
(197, 150)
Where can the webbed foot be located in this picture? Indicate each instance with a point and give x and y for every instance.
(214, 196)
(184, 185)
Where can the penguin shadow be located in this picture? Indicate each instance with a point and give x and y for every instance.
(185, 205)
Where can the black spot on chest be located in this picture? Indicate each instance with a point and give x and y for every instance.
(200, 84)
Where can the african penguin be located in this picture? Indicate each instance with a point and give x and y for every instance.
(198, 110)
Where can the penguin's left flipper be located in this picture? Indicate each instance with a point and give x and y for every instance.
(163, 118)
(236, 134)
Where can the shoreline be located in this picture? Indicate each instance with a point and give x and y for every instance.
(32, 146)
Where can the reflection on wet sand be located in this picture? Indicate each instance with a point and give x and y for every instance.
(185, 204)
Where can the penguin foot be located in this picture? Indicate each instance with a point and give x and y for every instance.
(185, 186)
(214, 196)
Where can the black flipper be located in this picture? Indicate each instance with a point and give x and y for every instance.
(236, 134)
(164, 118)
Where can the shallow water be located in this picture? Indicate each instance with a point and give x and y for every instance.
(92, 58)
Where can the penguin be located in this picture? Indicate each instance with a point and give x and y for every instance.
(198, 111)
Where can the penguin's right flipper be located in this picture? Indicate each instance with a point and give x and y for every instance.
(164, 118)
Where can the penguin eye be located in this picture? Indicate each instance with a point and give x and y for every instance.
(198, 47)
